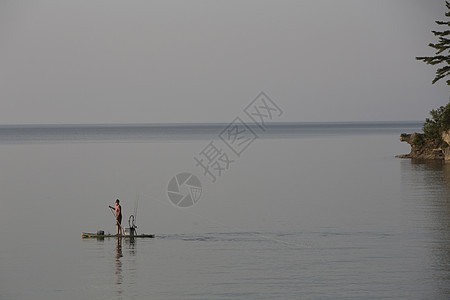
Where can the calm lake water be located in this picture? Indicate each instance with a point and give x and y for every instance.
(305, 211)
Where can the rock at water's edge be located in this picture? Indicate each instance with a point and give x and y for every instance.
(446, 138)
(424, 148)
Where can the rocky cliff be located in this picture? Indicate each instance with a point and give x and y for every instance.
(425, 148)
(446, 138)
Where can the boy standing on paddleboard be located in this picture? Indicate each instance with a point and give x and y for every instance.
(118, 211)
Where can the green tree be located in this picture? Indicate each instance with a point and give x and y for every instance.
(443, 50)
(439, 122)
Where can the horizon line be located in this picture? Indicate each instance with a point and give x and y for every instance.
(204, 123)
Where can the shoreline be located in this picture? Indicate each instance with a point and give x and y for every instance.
(425, 148)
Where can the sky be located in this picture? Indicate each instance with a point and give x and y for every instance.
(109, 61)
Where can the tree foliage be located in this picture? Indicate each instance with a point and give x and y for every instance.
(442, 50)
(439, 122)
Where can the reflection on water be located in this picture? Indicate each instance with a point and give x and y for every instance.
(428, 185)
(130, 253)
(131, 246)
(119, 277)
(121, 252)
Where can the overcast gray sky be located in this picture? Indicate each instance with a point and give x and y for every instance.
(107, 61)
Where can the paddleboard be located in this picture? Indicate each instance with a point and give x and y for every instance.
(101, 236)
